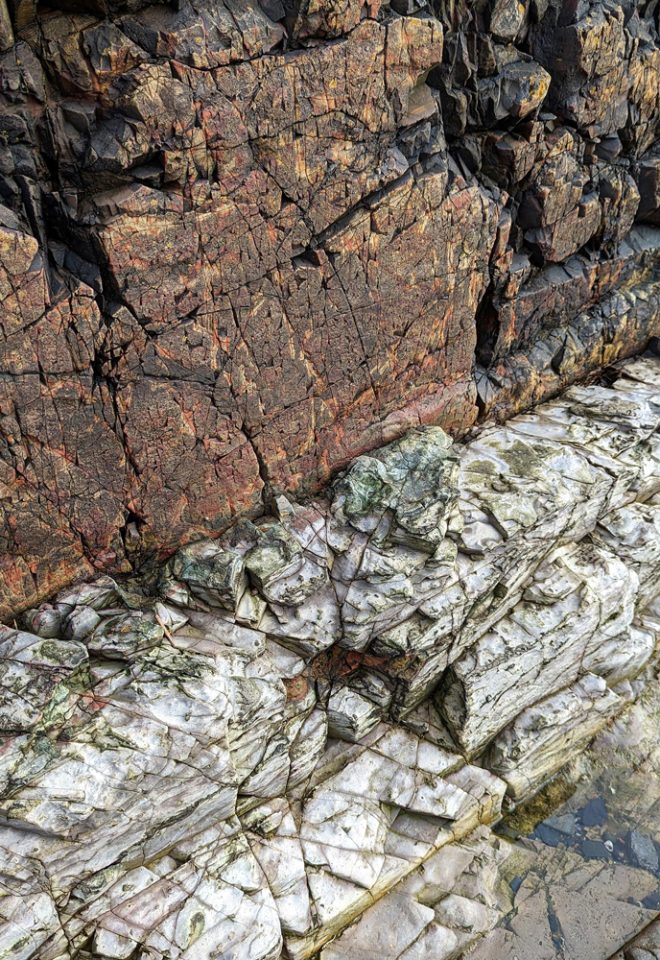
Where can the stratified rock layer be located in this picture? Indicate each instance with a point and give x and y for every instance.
(269, 746)
(243, 242)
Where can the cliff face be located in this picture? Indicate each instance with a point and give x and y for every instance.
(242, 243)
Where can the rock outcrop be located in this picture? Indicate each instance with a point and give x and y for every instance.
(242, 243)
(311, 721)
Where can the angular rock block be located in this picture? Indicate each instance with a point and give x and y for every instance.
(439, 910)
(542, 737)
(355, 834)
(578, 600)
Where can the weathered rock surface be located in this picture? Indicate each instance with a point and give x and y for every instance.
(578, 864)
(439, 911)
(243, 242)
(540, 739)
(576, 602)
(298, 728)
(644, 947)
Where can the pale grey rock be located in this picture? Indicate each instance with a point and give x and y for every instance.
(543, 479)
(250, 608)
(196, 723)
(100, 595)
(648, 617)
(541, 739)
(357, 829)
(374, 687)
(80, 623)
(281, 859)
(633, 533)
(44, 621)
(307, 747)
(439, 910)
(438, 941)
(621, 657)
(169, 618)
(126, 636)
(27, 912)
(507, 498)
(574, 887)
(385, 930)
(209, 897)
(644, 947)
(253, 761)
(466, 915)
(577, 600)
(309, 628)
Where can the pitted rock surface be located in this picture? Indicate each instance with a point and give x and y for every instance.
(244, 241)
(310, 723)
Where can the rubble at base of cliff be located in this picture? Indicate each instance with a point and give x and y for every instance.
(299, 742)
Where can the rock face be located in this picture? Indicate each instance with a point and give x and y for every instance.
(307, 724)
(242, 243)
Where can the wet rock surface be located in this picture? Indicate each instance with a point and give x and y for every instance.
(278, 743)
(242, 243)
(584, 881)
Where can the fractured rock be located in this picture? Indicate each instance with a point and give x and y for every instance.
(244, 243)
(538, 742)
(264, 747)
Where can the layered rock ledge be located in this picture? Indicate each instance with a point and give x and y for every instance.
(243, 242)
(313, 721)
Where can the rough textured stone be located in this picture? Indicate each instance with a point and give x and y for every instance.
(244, 241)
(309, 723)
(577, 601)
(569, 882)
(541, 738)
(439, 910)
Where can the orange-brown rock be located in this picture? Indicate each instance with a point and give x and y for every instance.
(243, 242)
